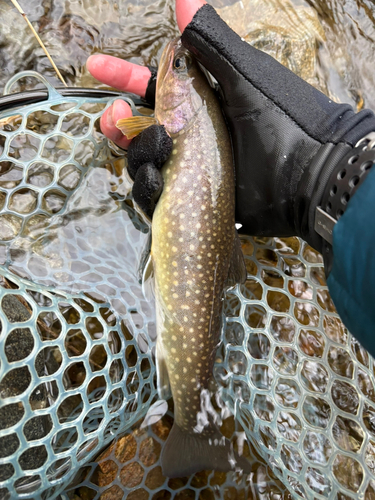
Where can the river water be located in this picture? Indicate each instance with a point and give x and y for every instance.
(72, 30)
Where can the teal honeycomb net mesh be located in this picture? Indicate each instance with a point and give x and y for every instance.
(77, 337)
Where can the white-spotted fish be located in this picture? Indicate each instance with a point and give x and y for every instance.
(195, 255)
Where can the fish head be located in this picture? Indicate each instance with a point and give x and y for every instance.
(181, 88)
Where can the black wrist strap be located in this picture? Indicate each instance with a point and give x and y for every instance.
(345, 179)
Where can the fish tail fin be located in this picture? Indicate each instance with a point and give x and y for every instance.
(185, 454)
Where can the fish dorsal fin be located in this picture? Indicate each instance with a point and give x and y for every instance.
(237, 268)
(134, 125)
(163, 385)
(148, 280)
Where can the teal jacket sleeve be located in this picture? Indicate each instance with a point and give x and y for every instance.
(352, 278)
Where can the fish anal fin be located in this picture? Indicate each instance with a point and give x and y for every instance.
(134, 125)
(163, 385)
(155, 413)
(148, 280)
(237, 269)
(185, 453)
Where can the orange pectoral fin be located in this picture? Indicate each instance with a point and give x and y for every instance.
(134, 125)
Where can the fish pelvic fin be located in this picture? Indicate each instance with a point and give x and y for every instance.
(148, 280)
(133, 126)
(237, 269)
(186, 453)
(144, 257)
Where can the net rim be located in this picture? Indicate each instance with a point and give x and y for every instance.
(29, 97)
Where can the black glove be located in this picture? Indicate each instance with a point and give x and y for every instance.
(290, 141)
(146, 154)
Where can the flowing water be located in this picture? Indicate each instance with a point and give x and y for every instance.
(137, 31)
(330, 45)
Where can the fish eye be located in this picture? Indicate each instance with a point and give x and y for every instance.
(180, 63)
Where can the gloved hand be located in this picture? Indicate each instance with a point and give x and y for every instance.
(295, 150)
(287, 136)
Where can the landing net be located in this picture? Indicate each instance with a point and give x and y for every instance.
(77, 339)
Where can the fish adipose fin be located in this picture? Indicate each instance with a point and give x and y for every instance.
(164, 388)
(185, 454)
(237, 268)
(133, 126)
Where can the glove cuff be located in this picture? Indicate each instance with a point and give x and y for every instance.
(311, 188)
(344, 180)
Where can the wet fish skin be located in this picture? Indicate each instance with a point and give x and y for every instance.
(193, 244)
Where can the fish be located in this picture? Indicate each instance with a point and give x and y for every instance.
(195, 255)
